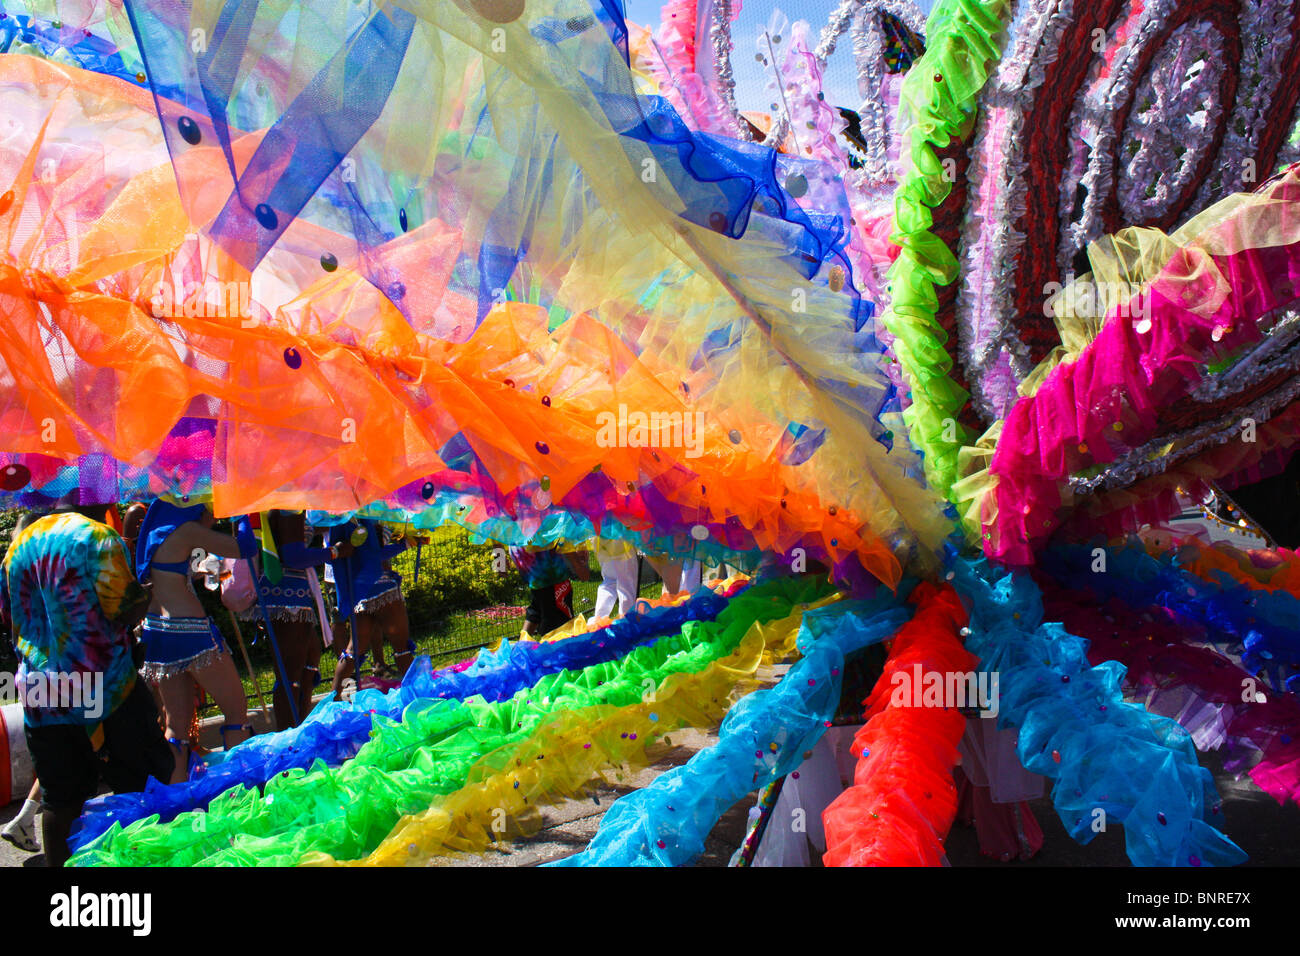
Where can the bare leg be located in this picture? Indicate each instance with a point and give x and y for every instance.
(178, 705)
(342, 632)
(221, 680)
(156, 692)
(374, 636)
(397, 629)
(669, 570)
(347, 666)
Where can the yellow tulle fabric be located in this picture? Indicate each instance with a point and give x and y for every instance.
(605, 241)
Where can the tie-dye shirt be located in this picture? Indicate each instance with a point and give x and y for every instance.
(65, 586)
(541, 569)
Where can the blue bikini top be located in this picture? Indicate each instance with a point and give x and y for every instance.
(162, 518)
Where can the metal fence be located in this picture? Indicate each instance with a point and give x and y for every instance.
(464, 597)
(459, 597)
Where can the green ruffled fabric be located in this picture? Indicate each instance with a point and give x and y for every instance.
(347, 811)
(940, 95)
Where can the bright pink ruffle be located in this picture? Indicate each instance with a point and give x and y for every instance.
(1109, 400)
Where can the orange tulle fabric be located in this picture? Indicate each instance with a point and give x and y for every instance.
(117, 320)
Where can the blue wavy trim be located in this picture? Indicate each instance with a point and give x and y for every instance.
(763, 738)
(1113, 762)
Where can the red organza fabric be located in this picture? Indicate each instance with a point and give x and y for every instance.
(904, 799)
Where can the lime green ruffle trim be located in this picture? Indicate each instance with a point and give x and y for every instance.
(940, 95)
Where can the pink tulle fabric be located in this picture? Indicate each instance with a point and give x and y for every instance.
(672, 61)
(1006, 831)
(874, 234)
(1229, 465)
(1201, 308)
(815, 130)
(676, 35)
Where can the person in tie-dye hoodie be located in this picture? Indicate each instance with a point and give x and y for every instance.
(69, 598)
(547, 575)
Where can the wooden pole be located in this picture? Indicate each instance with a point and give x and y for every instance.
(257, 685)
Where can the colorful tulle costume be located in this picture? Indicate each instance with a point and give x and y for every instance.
(536, 271)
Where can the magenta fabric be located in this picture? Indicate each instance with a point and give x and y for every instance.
(1123, 377)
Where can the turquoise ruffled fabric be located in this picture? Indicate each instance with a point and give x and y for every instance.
(763, 738)
(1113, 762)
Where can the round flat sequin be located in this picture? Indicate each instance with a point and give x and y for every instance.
(265, 216)
(189, 130)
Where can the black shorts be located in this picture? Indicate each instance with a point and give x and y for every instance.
(134, 750)
(550, 607)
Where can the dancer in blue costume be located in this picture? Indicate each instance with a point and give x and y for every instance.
(290, 605)
(181, 643)
(368, 588)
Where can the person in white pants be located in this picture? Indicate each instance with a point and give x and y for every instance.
(618, 573)
(678, 575)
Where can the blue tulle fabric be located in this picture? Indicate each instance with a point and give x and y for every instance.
(335, 730)
(360, 575)
(304, 145)
(764, 737)
(318, 103)
(36, 36)
(733, 187)
(1262, 626)
(1113, 762)
(718, 180)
